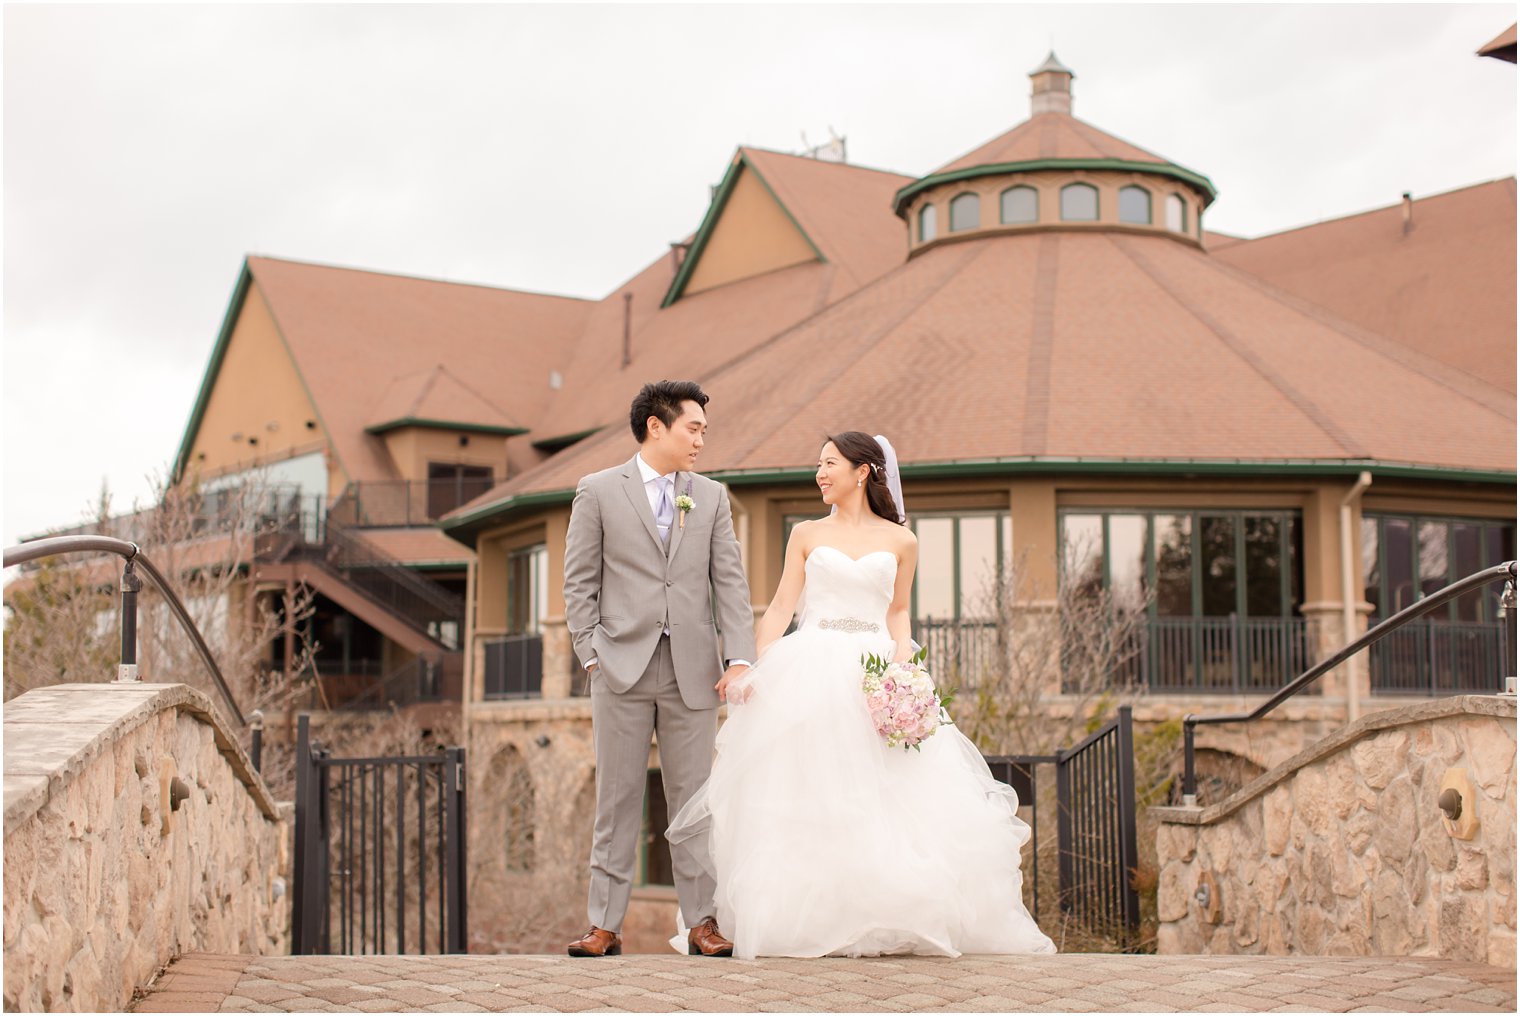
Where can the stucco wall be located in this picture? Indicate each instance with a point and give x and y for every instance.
(1342, 850)
(107, 876)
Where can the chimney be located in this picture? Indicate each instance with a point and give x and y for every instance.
(1051, 92)
(1408, 213)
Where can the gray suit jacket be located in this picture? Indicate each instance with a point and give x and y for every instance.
(622, 588)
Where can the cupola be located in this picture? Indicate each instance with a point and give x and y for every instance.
(1054, 172)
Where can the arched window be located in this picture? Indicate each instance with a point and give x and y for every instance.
(1079, 202)
(1176, 214)
(1135, 205)
(1020, 204)
(965, 212)
(928, 224)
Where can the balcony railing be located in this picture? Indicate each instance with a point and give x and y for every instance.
(404, 502)
(514, 667)
(1187, 655)
(1438, 657)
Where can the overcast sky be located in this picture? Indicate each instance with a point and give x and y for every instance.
(560, 149)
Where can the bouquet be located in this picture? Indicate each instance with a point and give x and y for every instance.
(904, 705)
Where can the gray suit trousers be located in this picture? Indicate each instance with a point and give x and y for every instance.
(621, 723)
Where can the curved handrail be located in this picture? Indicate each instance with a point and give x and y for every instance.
(1418, 609)
(133, 556)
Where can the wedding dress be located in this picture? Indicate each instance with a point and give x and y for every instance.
(824, 841)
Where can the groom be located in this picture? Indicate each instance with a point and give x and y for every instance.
(650, 552)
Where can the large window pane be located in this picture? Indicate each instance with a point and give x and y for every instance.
(978, 592)
(1217, 545)
(1126, 560)
(1264, 566)
(1173, 543)
(1467, 540)
(1082, 554)
(935, 579)
(1371, 576)
(1434, 567)
(1398, 560)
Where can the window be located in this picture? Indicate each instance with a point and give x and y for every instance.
(1176, 214)
(965, 212)
(1135, 205)
(1020, 204)
(451, 485)
(1458, 647)
(527, 589)
(928, 227)
(1079, 202)
(1221, 591)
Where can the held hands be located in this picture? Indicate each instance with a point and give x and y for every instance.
(730, 676)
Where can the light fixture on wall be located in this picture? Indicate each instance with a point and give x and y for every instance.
(542, 740)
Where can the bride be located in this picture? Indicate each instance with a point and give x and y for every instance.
(823, 840)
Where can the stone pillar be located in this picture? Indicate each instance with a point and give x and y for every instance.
(1032, 509)
(559, 661)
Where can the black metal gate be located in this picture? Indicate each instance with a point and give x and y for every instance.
(379, 852)
(1095, 823)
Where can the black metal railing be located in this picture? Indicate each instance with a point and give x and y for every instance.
(133, 559)
(405, 502)
(379, 852)
(1220, 655)
(417, 680)
(1019, 772)
(960, 651)
(196, 513)
(514, 667)
(1498, 681)
(423, 602)
(1435, 656)
(1098, 848)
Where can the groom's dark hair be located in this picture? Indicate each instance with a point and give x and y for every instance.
(662, 399)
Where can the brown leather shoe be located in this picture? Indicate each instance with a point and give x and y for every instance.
(706, 940)
(597, 942)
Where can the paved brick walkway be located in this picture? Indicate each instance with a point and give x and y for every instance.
(1070, 983)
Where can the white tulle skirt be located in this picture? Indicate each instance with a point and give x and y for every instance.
(823, 841)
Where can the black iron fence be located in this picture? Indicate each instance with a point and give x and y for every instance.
(514, 667)
(1434, 656)
(1098, 849)
(1228, 655)
(960, 651)
(379, 852)
(406, 502)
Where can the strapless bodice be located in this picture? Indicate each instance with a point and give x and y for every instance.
(839, 587)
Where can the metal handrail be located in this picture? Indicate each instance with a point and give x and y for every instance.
(1418, 609)
(133, 558)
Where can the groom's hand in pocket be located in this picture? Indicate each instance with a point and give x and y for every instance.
(731, 675)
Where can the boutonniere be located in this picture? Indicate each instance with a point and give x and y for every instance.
(684, 504)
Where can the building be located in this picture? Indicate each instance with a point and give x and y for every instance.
(1264, 442)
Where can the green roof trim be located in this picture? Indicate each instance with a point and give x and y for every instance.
(218, 353)
(725, 190)
(245, 282)
(562, 441)
(466, 527)
(419, 421)
(1197, 181)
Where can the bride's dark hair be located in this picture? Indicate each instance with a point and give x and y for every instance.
(862, 450)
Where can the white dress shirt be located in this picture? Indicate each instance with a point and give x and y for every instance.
(652, 491)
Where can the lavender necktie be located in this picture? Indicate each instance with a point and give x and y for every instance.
(665, 511)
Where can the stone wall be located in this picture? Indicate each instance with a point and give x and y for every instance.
(135, 830)
(1343, 850)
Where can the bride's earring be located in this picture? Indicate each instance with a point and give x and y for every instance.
(859, 483)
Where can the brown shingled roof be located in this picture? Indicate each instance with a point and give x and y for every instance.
(1445, 287)
(354, 333)
(1052, 136)
(1090, 345)
(438, 395)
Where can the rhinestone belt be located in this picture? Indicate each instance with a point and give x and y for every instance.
(848, 624)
